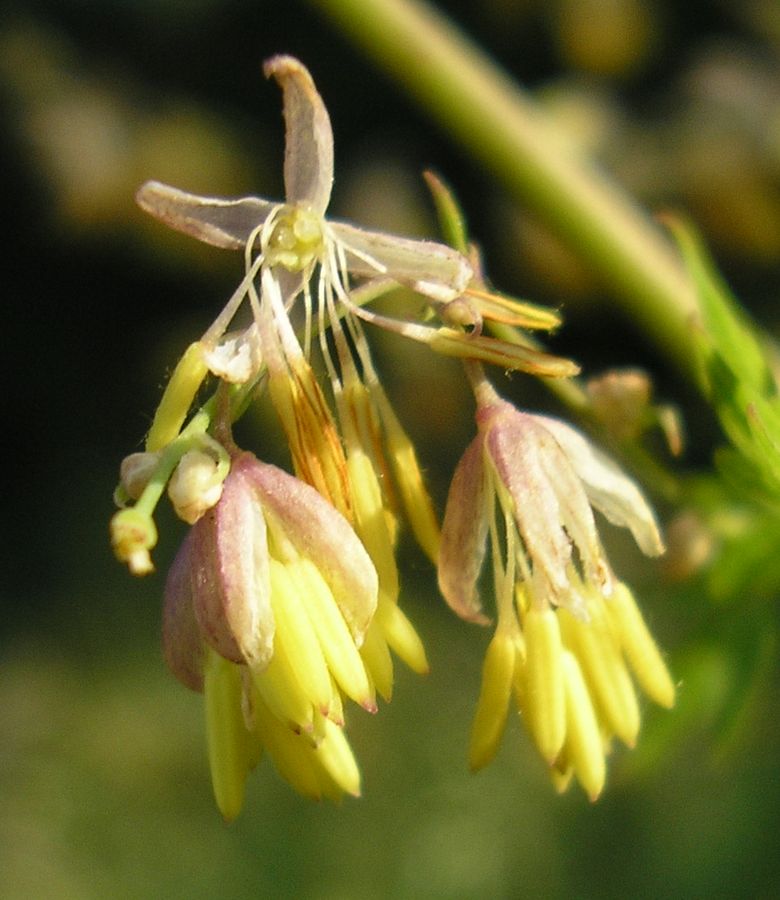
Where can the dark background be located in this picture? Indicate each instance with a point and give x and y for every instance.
(103, 777)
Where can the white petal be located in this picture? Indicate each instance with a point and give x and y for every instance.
(432, 269)
(608, 489)
(215, 220)
(308, 156)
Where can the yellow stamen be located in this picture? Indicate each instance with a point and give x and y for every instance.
(545, 698)
(370, 520)
(640, 648)
(584, 747)
(335, 757)
(490, 718)
(290, 753)
(402, 637)
(296, 635)
(281, 690)
(605, 671)
(229, 742)
(416, 500)
(377, 660)
(338, 645)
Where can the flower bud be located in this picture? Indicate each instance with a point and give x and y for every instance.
(196, 485)
(133, 534)
(135, 472)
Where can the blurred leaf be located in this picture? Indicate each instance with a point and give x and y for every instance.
(737, 377)
(729, 332)
(747, 564)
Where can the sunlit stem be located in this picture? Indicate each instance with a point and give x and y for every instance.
(502, 127)
(451, 219)
(177, 398)
(484, 392)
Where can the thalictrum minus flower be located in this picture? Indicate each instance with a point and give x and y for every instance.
(266, 607)
(569, 635)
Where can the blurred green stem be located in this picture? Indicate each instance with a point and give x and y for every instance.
(504, 129)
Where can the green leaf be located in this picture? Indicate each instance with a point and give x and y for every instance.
(737, 376)
(729, 331)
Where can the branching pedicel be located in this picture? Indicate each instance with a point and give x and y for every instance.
(283, 599)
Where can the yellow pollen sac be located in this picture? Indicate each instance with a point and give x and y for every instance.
(281, 691)
(641, 650)
(545, 698)
(229, 743)
(493, 704)
(377, 660)
(335, 757)
(416, 500)
(338, 645)
(180, 392)
(296, 240)
(584, 748)
(605, 671)
(370, 520)
(560, 775)
(296, 634)
(402, 637)
(336, 711)
(290, 753)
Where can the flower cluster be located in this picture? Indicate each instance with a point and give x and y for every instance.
(283, 601)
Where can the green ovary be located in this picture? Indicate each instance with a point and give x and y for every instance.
(296, 240)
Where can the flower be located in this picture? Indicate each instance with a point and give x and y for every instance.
(267, 605)
(569, 635)
(295, 240)
(358, 457)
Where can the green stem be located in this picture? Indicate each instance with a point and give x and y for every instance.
(503, 128)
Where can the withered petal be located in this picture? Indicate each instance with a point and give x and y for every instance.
(463, 535)
(181, 636)
(231, 581)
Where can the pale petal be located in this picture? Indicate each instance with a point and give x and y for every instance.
(231, 581)
(463, 535)
(432, 269)
(308, 156)
(215, 220)
(608, 489)
(181, 636)
(322, 535)
(576, 514)
(534, 471)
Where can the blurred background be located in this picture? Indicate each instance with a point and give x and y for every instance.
(104, 786)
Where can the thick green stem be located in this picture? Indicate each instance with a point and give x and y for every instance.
(503, 128)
